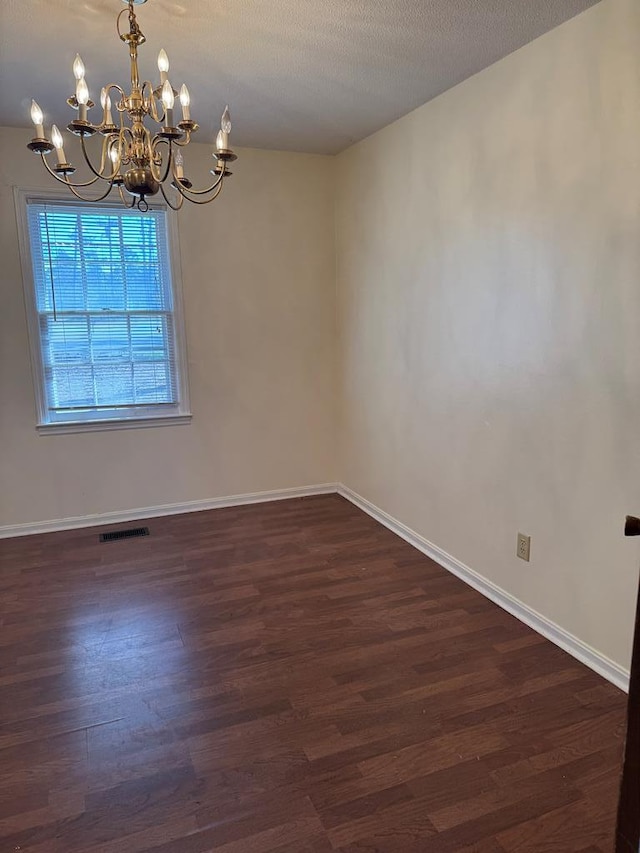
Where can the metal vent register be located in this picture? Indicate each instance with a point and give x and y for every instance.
(124, 534)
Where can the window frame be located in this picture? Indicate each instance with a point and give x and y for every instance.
(141, 417)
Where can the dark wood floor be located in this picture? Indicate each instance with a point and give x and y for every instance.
(286, 678)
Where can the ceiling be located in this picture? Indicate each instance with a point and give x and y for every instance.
(302, 75)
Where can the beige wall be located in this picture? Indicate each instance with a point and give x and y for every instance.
(259, 291)
(489, 296)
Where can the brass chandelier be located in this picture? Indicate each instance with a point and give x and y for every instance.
(133, 158)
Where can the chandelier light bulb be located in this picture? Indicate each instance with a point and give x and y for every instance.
(163, 61)
(82, 92)
(222, 142)
(185, 100)
(56, 137)
(179, 161)
(114, 156)
(38, 119)
(105, 101)
(168, 98)
(78, 67)
(82, 97)
(226, 120)
(163, 66)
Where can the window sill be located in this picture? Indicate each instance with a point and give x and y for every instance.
(101, 426)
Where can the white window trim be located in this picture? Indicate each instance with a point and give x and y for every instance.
(142, 418)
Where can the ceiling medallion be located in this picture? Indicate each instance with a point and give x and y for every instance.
(132, 157)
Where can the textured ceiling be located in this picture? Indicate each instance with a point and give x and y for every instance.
(301, 75)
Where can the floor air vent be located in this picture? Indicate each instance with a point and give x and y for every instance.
(124, 534)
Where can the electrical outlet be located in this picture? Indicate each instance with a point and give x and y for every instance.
(524, 547)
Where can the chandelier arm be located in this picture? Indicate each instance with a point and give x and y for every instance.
(65, 181)
(182, 143)
(125, 133)
(215, 195)
(214, 186)
(112, 141)
(84, 198)
(155, 142)
(150, 104)
(117, 145)
(108, 143)
(145, 97)
(103, 157)
(99, 174)
(120, 105)
(168, 200)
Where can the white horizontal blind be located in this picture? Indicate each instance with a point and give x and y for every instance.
(104, 299)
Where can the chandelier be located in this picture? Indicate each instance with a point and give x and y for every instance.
(132, 157)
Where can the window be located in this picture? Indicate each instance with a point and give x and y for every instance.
(104, 316)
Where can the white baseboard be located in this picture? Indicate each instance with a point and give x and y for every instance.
(97, 519)
(581, 651)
